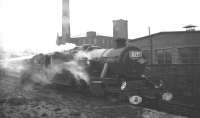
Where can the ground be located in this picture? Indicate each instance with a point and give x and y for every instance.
(54, 101)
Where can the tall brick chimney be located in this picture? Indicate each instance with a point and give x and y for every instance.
(65, 24)
(65, 21)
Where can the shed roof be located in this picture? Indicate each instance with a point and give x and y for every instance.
(161, 33)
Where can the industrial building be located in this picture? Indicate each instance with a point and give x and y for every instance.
(173, 57)
(93, 39)
(120, 30)
(178, 47)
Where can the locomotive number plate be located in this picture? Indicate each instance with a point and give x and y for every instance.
(134, 54)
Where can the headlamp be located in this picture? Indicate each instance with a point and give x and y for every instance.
(135, 100)
(123, 86)
(167, 96)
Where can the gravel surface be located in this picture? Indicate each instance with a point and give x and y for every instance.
(60, 102)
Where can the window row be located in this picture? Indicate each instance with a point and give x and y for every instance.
(106, 43)
(186, 55)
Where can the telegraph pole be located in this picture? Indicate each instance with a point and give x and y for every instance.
(151, 46)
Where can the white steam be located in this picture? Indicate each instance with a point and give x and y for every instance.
(60, 48)
(14, 66)
(96, 53)
(16, 71)
(77, 70)
(46, 75)
(27, 75)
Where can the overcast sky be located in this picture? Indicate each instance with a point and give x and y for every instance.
(34, 24)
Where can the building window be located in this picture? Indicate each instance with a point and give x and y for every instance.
(163, 56)
(189, 55)
(95, 41)
(99, 42)
(160, 56)
(168, 57)
(92, 41)
(80, 41)
(147, 56)
(104, 43)
(85, 41)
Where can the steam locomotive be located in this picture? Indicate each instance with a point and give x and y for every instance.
(120, 73)
(115, 73)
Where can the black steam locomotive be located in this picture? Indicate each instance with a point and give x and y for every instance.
(115, 73)
(119, 73)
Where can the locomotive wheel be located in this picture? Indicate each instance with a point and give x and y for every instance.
(135, 100)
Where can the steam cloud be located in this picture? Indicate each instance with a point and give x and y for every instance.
(97, 53)
(46, 75)
(24, 76)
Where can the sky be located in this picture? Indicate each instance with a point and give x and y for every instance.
(33, 24)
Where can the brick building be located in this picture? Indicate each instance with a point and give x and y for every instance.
(120, 30)
(92, 38)
(170, 47)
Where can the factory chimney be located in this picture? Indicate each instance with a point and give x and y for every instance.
(65, 20)
(65, 24)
